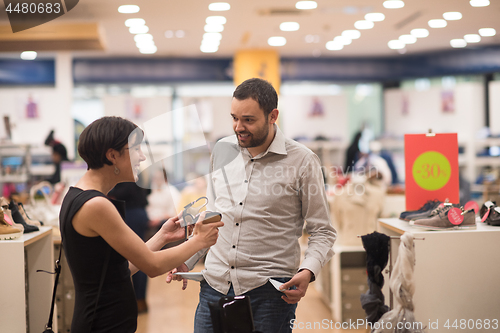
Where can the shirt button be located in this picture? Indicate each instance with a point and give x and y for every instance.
(251, 160)
(232, 267)
(241, 203)
(237, 224)
(234, 246)
(246, 181)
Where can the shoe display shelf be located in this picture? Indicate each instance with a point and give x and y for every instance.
(456, 273)
(342, 281)
(25, 294)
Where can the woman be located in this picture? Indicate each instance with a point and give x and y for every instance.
(99, 246)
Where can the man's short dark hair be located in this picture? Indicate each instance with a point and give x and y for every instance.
(260, 91)
(103, 134)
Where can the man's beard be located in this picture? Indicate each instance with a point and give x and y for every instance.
(256, 139)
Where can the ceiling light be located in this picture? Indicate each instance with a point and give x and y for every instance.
(479, 3)
(420, 33)
(394, 4)
(334, 46)
(28, 55)
(472, 38)
(219, 6)
(289, 26)
(210, 43)
(169, 34)
(458, 43)
(216, 20)
(145, 44)
(352, 34)
(408, 39)
(214, 28)
(180, 34)
(148, 50)
(437, 23)
(212, 36)
(342, 40)
(134, 21)
(306, 5)
(312, 38)
(138, 29)
(487, 32)
(143, 37)
(209, 49)
(276, 41)
(374, 17)
(363, 25)
(452, 16)
(396, 44)
(128, 9)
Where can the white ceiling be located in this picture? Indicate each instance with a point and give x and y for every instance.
(249, 27)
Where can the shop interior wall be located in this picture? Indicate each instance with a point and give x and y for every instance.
(494, 114)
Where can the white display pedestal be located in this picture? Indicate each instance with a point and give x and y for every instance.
(456, 275)
(24, 293)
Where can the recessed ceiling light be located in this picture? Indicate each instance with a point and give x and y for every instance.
(180, 34)
(169, 34)
(472, 38)
(143, 37)
(363, 25)
(134, 21)
(458, 43)
(209, 48)
(306, 5)
(408, 39)
(210, 43)
(145, 44)
(276, 41)
(219, 6)
(128, 9)
(479, 3)
(148, 50)
(452, 16)
(352, 34)
(138, 29)
(375, 17)
(342, 40)
(216, 20)
(212, 36)
(312, 38)
(394, 4)
(214, 28)
(28, 55)
(334, 46)
(437, 23)
(396, 44)
(289, 26)
(487, 32)
(420, 33)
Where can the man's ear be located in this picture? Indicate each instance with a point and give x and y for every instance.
(273, 116)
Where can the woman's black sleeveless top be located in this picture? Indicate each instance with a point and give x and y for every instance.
(117, 307)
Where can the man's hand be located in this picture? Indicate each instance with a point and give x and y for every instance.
(301, 282)
(181, 268)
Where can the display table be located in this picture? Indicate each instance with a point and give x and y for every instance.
(25, 294)
(456, 275)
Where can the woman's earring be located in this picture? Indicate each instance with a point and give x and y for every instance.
(117, 171)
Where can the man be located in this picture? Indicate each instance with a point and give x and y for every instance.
(265, 186)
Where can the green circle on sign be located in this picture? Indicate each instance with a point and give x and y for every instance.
(431, 171)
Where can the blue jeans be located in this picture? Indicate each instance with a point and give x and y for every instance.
(271, 314)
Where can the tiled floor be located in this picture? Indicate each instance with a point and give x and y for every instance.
(171, 310)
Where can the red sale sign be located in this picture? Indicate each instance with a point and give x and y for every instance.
(431, 165)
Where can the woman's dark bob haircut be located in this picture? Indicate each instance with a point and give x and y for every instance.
(104, 134)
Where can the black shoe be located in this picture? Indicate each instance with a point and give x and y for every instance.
(18, 218)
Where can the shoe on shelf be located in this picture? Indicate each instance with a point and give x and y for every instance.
(18, 218)
(424, 211)
(440, 220)
(26, 217)
(8, 232)
(490, 213)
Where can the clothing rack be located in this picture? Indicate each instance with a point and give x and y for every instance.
(390, 263)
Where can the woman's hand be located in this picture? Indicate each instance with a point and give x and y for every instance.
(206, 234)
(172, 230)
